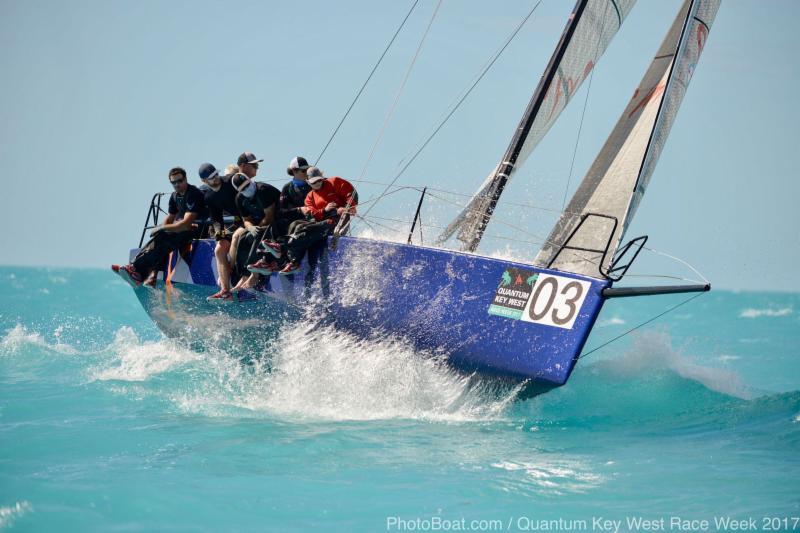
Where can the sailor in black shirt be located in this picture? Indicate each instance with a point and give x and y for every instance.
(257, 202)
(220, 198)
(186, 209)
(293, 194)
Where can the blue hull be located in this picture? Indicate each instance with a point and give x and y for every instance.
(486, 315)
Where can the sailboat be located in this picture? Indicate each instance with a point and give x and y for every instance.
(527, 322)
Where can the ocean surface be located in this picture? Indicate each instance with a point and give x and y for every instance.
(107, 425)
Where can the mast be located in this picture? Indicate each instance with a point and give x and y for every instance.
(588, 31)
(506, 167)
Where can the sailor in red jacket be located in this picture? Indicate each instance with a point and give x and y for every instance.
(329, 197)
(328, 200)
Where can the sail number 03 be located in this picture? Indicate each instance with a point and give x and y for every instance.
(556, 301)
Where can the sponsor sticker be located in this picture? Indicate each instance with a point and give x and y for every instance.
(539, 298)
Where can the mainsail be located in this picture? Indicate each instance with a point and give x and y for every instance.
(589, 30)
(599, 212)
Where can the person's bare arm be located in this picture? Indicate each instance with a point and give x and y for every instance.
(269, 216)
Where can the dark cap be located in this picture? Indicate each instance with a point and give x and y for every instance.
(208, 171)
(248, 157)
(298, 163)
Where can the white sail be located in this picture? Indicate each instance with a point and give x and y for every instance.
(610, 193)
(572, 62)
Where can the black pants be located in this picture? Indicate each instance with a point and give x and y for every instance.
(157, 249)
(248, 251)
(303, 235)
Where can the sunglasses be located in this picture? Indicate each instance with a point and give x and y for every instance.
(177, 182)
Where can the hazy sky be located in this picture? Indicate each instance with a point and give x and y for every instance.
(100, 98)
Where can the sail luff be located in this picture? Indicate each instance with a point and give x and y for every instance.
(631, 207)
(507, 165)
(617, 178)
(589, 29)
(698, 24)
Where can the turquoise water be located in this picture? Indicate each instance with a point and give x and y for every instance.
(106, 425)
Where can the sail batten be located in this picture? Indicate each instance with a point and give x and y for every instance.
(589, 29)
(616, 181)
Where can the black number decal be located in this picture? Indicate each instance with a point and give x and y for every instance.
(570, 302)
(540, 286)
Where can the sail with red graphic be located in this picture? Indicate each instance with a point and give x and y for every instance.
(595, 220)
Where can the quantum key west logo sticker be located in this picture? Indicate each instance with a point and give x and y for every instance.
(540, 298)
(513, 293)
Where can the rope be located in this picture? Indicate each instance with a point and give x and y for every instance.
(400, 91)
(353, 103)
(642, 324)
(394, 229)
(461, 100)
(693, 269)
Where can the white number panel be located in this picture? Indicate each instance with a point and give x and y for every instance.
(556, 301)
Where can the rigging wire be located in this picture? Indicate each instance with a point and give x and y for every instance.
(353, 103)
(693, 269)
(400, 91)
(464, 97)
(642, 324)
(583, 113)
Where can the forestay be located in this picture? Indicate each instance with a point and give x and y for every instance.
(589, 30)
(612, 189)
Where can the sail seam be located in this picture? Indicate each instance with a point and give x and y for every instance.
(703, 23)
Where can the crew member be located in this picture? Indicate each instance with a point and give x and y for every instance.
(258, 204)
(330, 199)
(220, 199)
(186, 208)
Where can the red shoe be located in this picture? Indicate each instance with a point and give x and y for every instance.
(290, 268)
(264, 266)
(128, 273)
(272, 247)
(222, 297)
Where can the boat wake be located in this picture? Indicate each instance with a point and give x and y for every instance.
(313, 372)
(307, 372)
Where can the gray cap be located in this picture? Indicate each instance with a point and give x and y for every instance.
(314, 175)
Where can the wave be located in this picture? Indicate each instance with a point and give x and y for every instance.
(19, 338)
(652, 352)
(311, 372)
(9, 514)
(653, 387)
(137, 361)
(769, 312)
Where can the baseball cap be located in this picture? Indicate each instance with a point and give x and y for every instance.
(298, 163)
(207, 171)
(314, 175)
(248, 157)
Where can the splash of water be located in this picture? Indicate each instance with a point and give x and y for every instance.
(136, 361)
(19, 337)
(315, 372)
(652, 351)
(770, 312)
(9, 514)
